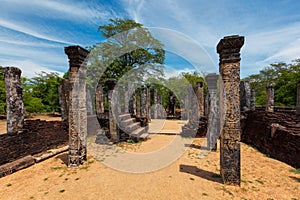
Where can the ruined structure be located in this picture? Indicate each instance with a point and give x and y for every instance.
(213, 114)
(229, 51)
(245, 95)
(298, 100)
(77, 105)
(113, 109)
(14, 100)
(64, 99)
(270, 99)
(200, 97)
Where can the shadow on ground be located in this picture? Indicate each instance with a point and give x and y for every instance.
(200, 173)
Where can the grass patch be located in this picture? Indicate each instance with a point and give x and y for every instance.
(45, 179)
(227, 191)
(296, 171)
(267, 155)
(9, 184)
(204, 194)
(259, 181)
(76, 179)
(59, 168)
(66, 179)
(192, 179)
(31, 197)
(86, 167)
(62, 191)
(61, 175)
(45, 193)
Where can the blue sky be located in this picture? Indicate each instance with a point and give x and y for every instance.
(33, 33)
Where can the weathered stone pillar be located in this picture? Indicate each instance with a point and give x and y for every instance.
(148, 103)
(245, 95)
(143, 102)
(252, 100)
(14, 100)
(298, 99)
(77, 105)
(213, 113)
(270, 99)
(64, 99)
(99, 98)
(172, 101)
(138, 104)
(89, 103)
(155, 101)
(200, 98)
(113, 110)
(229, 51)
(126, 99)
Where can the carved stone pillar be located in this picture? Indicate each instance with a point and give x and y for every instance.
(229, 51)
(77, 105)
(99, 98)
(298, 99)
(113, 110)
(245, 95)
(14, 100)
(213, 113)
(252, 100)
(148, 103)
(64, 99)
(200, 98)
(270, 99)
(155, 101)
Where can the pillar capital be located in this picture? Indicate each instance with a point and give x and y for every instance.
(111, 83)
(229, 48)
(76, 55)
(212, 80)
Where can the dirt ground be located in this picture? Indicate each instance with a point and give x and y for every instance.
(189, 177)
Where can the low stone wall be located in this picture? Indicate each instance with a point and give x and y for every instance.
(274, 134)
(38, 136)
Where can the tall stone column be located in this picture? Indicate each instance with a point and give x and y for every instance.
(89, 103)
(298, 100)
(64, 99)
(14, 100)
(252, 100)
(138, 104)
(99, 98)
(148, 103)
(126, 99)
(155, 101)
(77, 105)
(213, 113)
(230, 160)
(200, 98)
(113, 110)
(143, 102)
(245, 95)
(270, 99)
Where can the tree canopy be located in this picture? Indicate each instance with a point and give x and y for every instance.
(129, 46)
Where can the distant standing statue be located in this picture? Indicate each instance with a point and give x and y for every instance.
(172, 101)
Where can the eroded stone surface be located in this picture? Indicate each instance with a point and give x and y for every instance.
(14, 100)
(229, 51)
(245, 95)
(77, 105)
(200, 97)
(99, 96)
(270, 99)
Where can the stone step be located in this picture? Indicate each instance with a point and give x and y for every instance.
(137, 132)
(127, 122)
(124, 116)
(144, 136)
(132, 127)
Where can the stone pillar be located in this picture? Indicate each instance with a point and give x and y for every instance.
(252, 100)
(245, 95)
(143, 102)
(113, 110)
(298, 99)
(148, 103)
(77, 105)
(99, 98)
(138, 104)
(64, 99)
(14, 100)
(126, 99)
(89, 103)
(155, 101)
(172, 102)
(213, 113)
(186, 107)
(200, 98)
(270, 99)
(206, 107)
(230, 160)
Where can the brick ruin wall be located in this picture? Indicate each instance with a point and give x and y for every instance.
(37, 136)
(275, 134)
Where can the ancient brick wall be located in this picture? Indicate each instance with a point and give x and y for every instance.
(274, 134)
(38, 136)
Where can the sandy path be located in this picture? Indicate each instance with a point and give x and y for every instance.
(189, 177)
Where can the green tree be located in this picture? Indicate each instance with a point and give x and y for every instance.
(128, 46)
